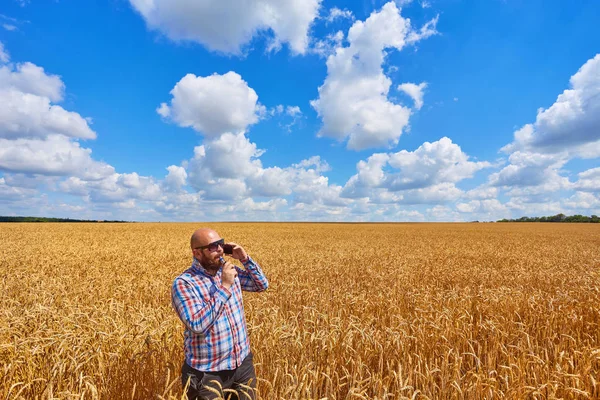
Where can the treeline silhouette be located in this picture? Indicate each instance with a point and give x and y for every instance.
(556, 218)
(44, 219)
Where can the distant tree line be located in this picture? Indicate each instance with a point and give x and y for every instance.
(556, 218)
(44, 219)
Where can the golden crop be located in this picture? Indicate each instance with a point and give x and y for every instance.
(354, 311)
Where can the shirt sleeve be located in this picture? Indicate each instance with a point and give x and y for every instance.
(197, 314)
(252, 278)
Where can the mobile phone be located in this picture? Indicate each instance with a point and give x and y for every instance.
(227, 248)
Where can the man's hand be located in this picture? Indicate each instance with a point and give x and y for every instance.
(238, 252)
(228, 275)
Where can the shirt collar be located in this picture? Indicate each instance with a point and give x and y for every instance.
(198, 268)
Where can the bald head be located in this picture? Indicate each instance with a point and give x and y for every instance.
(202, 237)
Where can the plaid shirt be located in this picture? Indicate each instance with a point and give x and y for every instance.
(216, 337)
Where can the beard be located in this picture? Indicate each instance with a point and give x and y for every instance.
(210, 264)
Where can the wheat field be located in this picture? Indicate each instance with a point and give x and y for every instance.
(354, 311)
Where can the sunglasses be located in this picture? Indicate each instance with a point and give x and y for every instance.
(214, 246)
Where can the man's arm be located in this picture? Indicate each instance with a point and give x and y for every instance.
(252, 278)
(198, 315)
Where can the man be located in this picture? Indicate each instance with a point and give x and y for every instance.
(208, 300)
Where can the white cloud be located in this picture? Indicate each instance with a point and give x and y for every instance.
(220, 166)
(213, 105)
(26, 95)
(524, 207)
(25, 115)
(533, 171)
(582, 202)
(29, 181)
(370, 175)
(571, 123)
(293, 111)
(310, 187)
(437, 194)
(483, 192)
(441, 161)
(226, 189)
(569, 128)
(328, 45)
(415, 92)
(229, 168)
(4, 56)
(270, 182)
(314, 161)
(443, 213)
(490, 209)
(250, 206)
(228, 25)
(10, 193)
(176, 178)
(75, 186)
(121, 189)
(9, 27)
(31, 79)
(54, 155)
(431, 164)
(335, 13)
(589, 180)
(229, 156)
(353, 101)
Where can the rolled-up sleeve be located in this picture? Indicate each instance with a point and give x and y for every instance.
(252, 278)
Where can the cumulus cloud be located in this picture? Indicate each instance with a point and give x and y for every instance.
(568, 129)
(583, 201)
(228, 25)
(589, 180)
(432, 164)
(229, 169)
(489, 208)
(249, 206)
(441, 161)
(54, 155)
(176, 179)
(571, 123)
(528, 169)
(31, 79)
(213, 105)
(11, 193)
(482, 193)
(229, 156)
(37, 136)
(443, 213)
(25, 115)
(121, 189)
(353, 101)
(27, 94)
(415, 92)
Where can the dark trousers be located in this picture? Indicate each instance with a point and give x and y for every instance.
(220, 384)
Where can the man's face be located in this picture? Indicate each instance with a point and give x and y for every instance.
(209, 251)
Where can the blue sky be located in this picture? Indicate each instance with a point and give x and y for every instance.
(299, 110)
